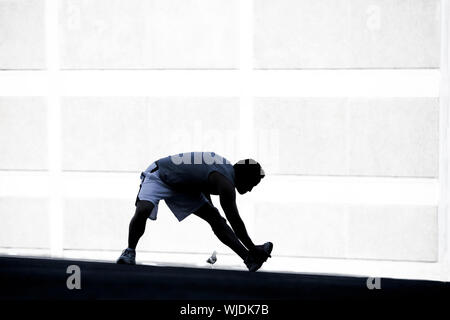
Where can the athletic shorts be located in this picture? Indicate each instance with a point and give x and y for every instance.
(153, 189)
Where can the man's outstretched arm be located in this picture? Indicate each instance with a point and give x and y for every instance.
(227, 196)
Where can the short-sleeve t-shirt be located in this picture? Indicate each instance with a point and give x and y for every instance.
(189, 171)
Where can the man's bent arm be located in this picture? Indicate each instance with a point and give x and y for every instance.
(228, 203)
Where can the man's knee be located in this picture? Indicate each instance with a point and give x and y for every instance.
(219, 224)
(212, 215)
(215, 219)
(143, 209)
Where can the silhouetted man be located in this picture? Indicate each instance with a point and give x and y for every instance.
(185, 181)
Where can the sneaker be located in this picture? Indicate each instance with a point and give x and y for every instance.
(128, 256)
(263, 251)
(256, 258)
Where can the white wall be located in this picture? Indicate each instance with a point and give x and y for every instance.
(23, 133)
(382, 232)
(332, 34)
(351, 136)
(24, 222)
(190, 34)
(143, 128)
(353, 152)
(22, 34)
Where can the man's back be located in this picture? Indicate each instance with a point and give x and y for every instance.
(189, 171)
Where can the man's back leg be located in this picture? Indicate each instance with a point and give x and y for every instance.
(136, 230)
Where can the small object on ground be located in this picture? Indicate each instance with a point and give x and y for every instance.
(211, 260)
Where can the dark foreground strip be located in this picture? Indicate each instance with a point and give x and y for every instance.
(194, 293)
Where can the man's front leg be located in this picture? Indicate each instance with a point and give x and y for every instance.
(221, 229)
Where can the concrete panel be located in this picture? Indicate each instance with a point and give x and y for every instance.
(301, 229)
(22, 34)
(105, 134)
(23, 133)
(24, 222)
(339, 136)
(347, 34)
(394, 137)
(393, 233)
(127, 134)
(96, 223)
(389, 232)
(301, 136)
(149, 34)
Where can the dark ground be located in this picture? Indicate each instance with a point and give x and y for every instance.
(45, 279)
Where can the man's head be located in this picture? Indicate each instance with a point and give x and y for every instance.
(248, 173)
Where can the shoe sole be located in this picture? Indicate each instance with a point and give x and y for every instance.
(122, 261)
